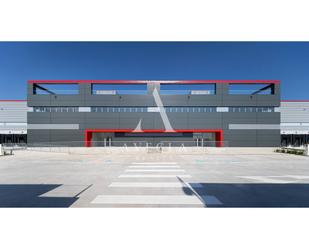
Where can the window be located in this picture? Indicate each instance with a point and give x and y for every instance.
(113, 89)
(251, 89)
(194, 89)
(55, 89)
(252, 109)
(55, 109)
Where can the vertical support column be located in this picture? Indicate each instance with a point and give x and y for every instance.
(219, 138)
(88, 138)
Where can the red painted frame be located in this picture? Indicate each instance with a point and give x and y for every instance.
(12, 100)
(296, 100)
(145, 81)
(218, 133)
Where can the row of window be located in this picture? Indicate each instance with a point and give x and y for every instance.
(153, 109)
(251, 109)
(55, 109)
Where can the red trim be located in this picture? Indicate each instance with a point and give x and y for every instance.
(12, 100)
(297, 100)
(88, 133)
(145, 81)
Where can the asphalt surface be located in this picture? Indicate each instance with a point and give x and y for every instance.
(41, 179)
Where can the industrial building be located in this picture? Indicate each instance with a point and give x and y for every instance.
(113, 112)
(294, 122)
(172, 113)
(13, 121)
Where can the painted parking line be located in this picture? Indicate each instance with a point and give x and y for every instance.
(149, 163)
(153, 185)
(265, 179)
(208, 200)
(153, 166)
(148, 199)
(154, 176)
(154, 170)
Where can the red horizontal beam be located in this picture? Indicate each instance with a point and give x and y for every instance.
(12, 100)
(154, 131)
(296, 100)
(145, 81)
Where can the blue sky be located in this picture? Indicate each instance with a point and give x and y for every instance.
(285, 61)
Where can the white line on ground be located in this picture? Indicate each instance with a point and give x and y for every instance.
(156, 163)
(154, 166)
(154, 170)
(156, 200)
(154, 176)
(153, 185)
(265, 179)
(147, 199)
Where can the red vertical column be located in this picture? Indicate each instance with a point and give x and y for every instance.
(88, 138)
(219, 138)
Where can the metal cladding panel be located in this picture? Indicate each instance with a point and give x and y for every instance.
(268, 100)
(39, 118)
(136, 100)
(66, 135)
(239, 100)
(101, 116)
(102, 125)
(67, 115)
(204, 100)
(102, 100)
(175, 100)
(38, 137)
(294, 112)
(39, 100)
(13, 112)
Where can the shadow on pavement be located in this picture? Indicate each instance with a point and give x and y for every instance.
(28, 195)
(253, 194)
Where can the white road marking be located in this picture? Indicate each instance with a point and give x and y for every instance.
(156, 163)
(154, 166)
(148, 199)
(153, 185)
(265, 179)
(154, 176)
(154, 170)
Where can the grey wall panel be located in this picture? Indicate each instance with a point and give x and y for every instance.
(102, 125)
(204, 100)
(129, 123)
(38, 137)
(174, 100)
(39, 118)
(98, 115)
(102, 100)
(136, 100)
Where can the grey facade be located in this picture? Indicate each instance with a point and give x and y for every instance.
(13, 121)
(294, 122)
(197, 117)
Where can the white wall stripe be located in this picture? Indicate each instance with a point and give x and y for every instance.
(53, 126)
(254, 126)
